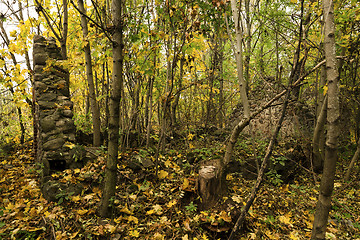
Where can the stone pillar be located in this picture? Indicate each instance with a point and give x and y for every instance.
(56, 129)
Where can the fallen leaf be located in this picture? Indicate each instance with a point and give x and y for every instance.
(186, 237)
(187, 225)
(158, 236)
(133, 219)
(294, 235)
(76, 198)
(134, 233)
(151, 211)
(162, 174)
(225, 216)
(110, 228)
(125, 210)
(185, 184)
(82, 211)
(171, 203)
(236, 199)
(285, 219)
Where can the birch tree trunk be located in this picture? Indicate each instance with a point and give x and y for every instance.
(114, 110)
(238, 51)
(239, 66)
(90, 79)
(333, 116)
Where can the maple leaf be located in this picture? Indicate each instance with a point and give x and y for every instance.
(162, 174)
(285, 219)
(134, 233)
(133, 219)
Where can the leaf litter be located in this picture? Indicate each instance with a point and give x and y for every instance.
(162, 206)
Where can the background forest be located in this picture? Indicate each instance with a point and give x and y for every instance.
(166, 89)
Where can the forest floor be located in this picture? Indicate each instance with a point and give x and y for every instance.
(163, 205)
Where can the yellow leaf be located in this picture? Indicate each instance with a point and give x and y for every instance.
(225, 216)
(229, 177)
(185, 184)
(118, 220)
(74, 235)
(167, 163)
(293, 235)
(285, 219)
(325, 89)
(186, 237)
(133, 197)
(133, 219)
(10, 206)
(134, 233)
(13, 34)
(171, 203)
(125, 210)
(190, 136)
(75, 198)
(162, 174)
(33, 229)
(158, 209)
(82, 211)
(151, 211)
(69, 145)
(159, 236)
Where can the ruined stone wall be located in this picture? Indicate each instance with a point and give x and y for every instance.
(56, 129)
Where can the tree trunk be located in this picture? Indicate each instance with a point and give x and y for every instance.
(114, 108)
(89, 76)
(177, 96)
(317, 159)
(322, 137)
(248, 42)
(352, 163)
(327, 181)
(244, 99)
(150, 110)
(238, 56)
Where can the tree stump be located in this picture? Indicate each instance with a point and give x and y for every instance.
(210, 184)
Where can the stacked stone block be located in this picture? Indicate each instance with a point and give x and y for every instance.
(56, 129)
